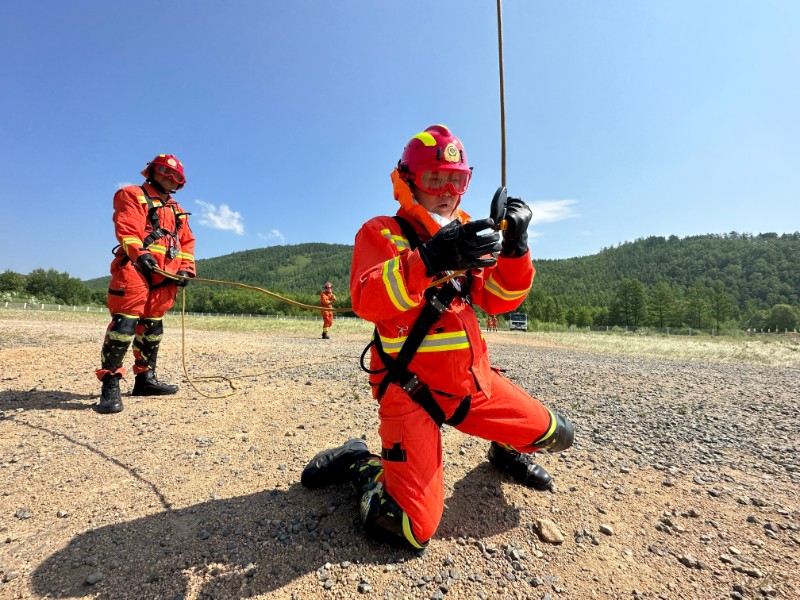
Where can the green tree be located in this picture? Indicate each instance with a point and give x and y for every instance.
(721, 302)
(696, 306)
(57, 287)
(660, 303)
(631, 302)
(12, 282)
(783, 317)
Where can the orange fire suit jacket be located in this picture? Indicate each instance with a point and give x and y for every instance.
(132, 226)
(327, 299)
(387, 283)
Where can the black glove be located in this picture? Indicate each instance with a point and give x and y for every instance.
(457, 247)
(146, 263)
(515, 236)
(184, 275)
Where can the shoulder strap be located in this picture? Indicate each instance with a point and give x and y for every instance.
(408, 231)
(437, 302)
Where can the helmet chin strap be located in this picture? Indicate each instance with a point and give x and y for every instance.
(159, 187)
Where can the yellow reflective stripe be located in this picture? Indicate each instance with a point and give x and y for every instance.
(395, 286)
(120, 337)
(132, 241)
(186, 256)
(143, 200)
(157, 249)
(550, 429)
(434, 342)
(495, 288)
(409, 534)
(399, 241)
(426, 138)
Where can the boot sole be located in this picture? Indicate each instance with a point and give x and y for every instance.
(135, 393)
(108, 410)
(333, 465)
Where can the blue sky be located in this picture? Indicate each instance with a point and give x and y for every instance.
(624, 119)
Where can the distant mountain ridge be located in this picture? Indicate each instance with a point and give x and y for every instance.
(762, 269)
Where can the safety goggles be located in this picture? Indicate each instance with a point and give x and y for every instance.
(171, 174)
(438, 182)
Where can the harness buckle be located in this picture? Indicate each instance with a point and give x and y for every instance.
(412, 386)
(437, 304)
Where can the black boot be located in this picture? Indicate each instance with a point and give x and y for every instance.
(337, 465)
(520, 466)
(383, 520)
(110, 399)
(325, 335)
(146, 384)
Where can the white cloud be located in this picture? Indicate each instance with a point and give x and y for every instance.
(220, 217)
(273, 235)
(550, 211)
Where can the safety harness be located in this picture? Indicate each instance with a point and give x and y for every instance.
(437, 302)
(156, 234)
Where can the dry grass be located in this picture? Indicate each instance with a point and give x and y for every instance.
(776, 351)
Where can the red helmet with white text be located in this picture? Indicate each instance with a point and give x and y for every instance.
(167, 165)
(434, 160)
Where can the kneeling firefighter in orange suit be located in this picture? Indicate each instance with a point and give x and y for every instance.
(326, 299)
(153, 232)
(429, 363)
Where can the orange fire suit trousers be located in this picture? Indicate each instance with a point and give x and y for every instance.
(412, 442)
(129, 294)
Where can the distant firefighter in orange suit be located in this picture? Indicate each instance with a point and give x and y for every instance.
(326, 299)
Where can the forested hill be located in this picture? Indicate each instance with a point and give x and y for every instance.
(763, 269)
(285, 269)
(297, 271)
(746, 272)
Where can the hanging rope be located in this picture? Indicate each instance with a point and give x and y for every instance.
(502, 94)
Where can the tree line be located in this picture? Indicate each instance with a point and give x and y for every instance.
(713, 281)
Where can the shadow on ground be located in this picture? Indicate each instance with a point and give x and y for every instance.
(245, 546)
(11, 400)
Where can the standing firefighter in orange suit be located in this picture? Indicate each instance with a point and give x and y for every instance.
(153, 232)
(326, 299)
(429, 363)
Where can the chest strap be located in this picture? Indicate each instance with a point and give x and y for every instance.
(155, 221)
(437, 302)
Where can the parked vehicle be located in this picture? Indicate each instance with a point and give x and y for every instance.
(518, 322)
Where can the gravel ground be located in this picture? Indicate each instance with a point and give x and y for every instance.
(682, 482)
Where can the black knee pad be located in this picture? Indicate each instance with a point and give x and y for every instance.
(152, 327)
(559, 436)
(123, 324)
(118, 339)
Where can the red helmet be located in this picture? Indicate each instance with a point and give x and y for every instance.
(167, 165)
(433, 151)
